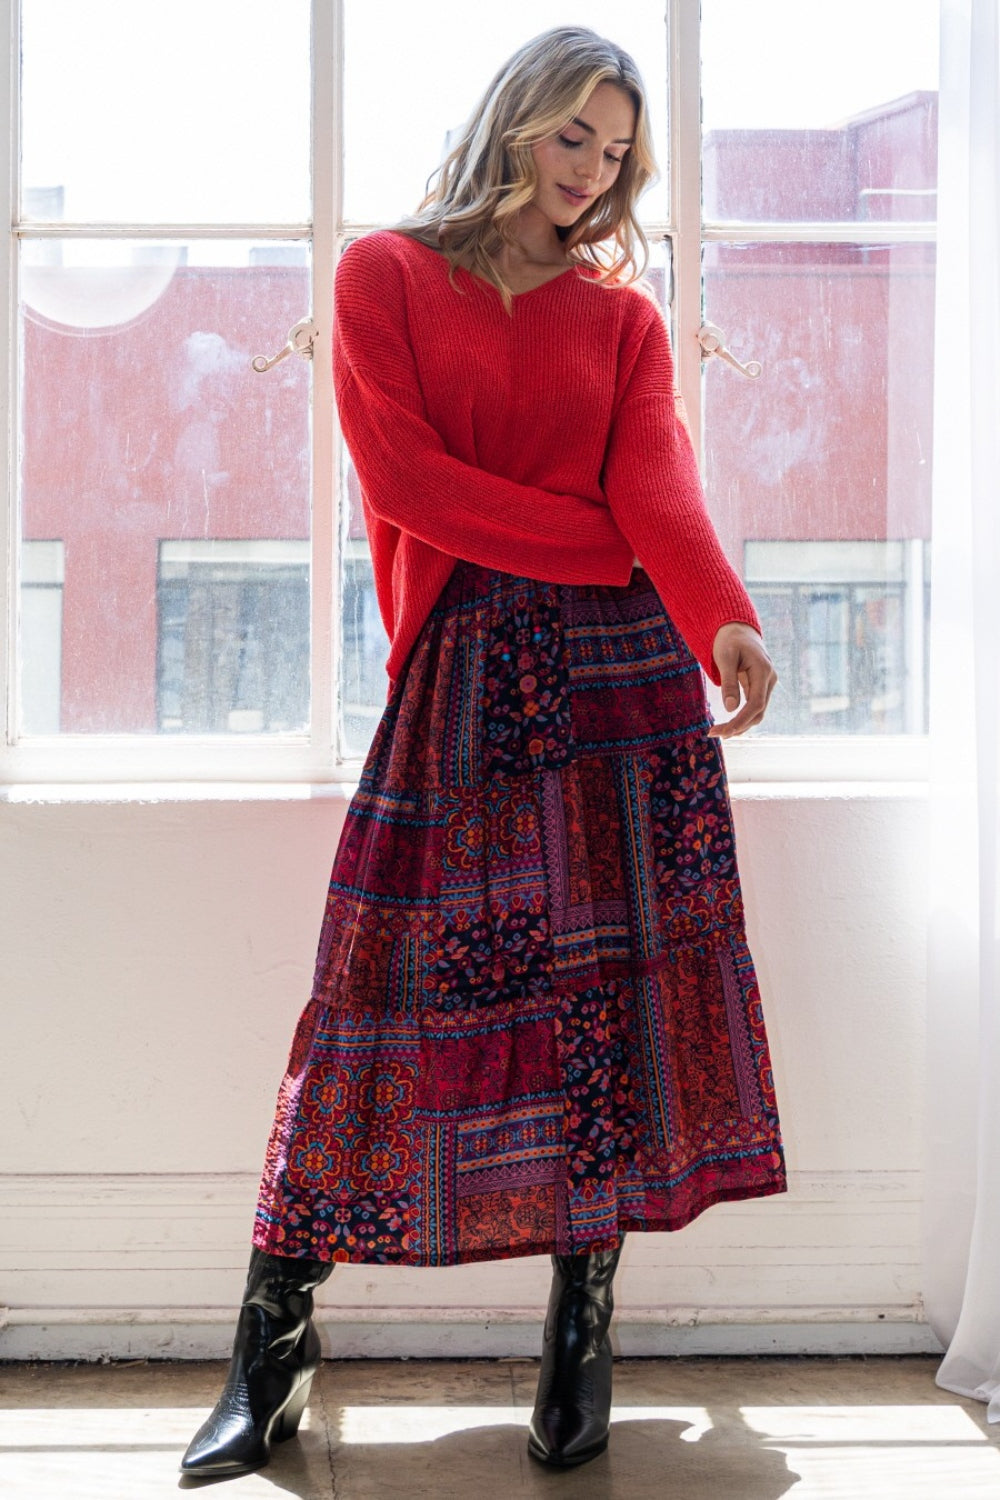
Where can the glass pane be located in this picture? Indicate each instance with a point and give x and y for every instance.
(364, 643)
(233, 636)
(169, 485)
(819, 113)
(402, 103)
(153, 113)
(819, 471)
(41, 634)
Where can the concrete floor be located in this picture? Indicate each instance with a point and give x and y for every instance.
(692, 1429)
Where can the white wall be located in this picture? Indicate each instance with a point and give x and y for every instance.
(155, 958)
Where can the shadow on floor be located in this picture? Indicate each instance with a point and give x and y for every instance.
(722, 1429)
(643, 1459)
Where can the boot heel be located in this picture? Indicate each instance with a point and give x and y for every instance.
(287, 1424)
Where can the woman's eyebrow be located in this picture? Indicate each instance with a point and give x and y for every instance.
(626, 140)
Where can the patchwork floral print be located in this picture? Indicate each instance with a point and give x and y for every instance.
(535, 1022)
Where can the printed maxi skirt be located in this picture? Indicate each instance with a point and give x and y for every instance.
(535, 1023)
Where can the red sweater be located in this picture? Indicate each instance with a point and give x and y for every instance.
(544, 444)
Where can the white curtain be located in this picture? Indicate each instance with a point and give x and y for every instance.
(962, 1238)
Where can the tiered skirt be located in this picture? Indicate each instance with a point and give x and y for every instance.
(535, 1023)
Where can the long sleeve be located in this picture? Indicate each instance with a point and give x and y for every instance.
(410, 480)
(654, 490)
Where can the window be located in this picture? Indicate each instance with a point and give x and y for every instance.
(233, 637)
(819, 205)
(847, 626)
(208, 608)
(41, 634)
(157, 251)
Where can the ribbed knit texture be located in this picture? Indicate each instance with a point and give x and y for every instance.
(544, 443)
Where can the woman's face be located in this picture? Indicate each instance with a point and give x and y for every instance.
(583, 160)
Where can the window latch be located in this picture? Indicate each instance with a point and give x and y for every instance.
(301, 339)
(713, 341)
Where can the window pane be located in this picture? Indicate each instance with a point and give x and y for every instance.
(144, 432)
(819, 113)
(819, 472)
(403, 102)
(233, 637)
(846, 623)
(153, 113)
(41, 634)
(364, 643)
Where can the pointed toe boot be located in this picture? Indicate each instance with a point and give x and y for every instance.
(275, 1355)
(571, 1420)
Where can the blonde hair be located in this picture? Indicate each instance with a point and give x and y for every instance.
(473, 199)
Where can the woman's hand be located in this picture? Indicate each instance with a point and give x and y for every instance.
(739, 654)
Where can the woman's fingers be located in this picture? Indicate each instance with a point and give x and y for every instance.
(729, 672)
(743, 663)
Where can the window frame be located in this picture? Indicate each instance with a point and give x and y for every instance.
(318, 758)
(155, 758)
(774, 758)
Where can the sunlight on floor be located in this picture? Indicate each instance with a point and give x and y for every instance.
(53, 1428)
(863, 1424)
(424, 1424)
(879, 1451)
(816, 1429)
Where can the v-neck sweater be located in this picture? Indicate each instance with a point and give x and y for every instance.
(543, 442)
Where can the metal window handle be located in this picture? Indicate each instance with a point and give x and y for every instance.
(713, 341)
(301, 339)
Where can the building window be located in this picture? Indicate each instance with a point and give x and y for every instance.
(42, 568)
(846, 623)
(364, 647)
(233, 637)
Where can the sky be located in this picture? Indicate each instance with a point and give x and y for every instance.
(780, 63)
(198, 111)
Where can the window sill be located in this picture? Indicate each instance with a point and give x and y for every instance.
(803, 759)
(757, 768)
(148, 792)
(151, 794)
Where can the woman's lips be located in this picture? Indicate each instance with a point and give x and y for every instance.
(572, 196)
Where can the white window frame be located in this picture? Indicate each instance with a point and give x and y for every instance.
(785, 758)
(172, 759)
(317, 759)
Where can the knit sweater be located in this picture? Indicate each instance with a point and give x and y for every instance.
(543, 443)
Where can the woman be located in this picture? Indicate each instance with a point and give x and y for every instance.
(534, 1024)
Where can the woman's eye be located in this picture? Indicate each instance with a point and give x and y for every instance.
(568, 141)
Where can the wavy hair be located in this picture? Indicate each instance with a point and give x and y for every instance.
(473, 199)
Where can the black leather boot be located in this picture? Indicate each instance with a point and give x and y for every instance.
(572, 1416)
(275, 1355)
